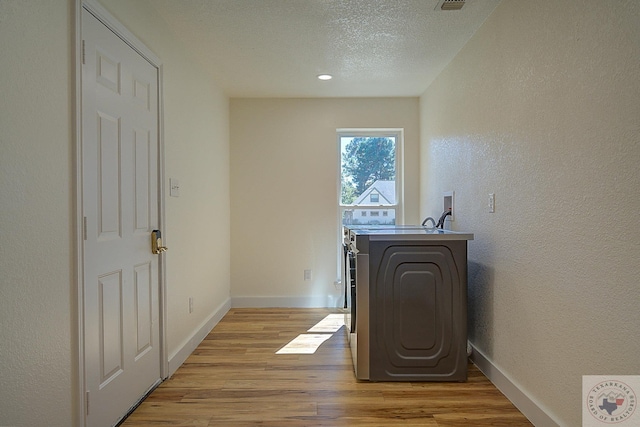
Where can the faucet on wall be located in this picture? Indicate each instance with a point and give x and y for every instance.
(440, 223)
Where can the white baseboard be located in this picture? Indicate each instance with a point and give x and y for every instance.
(288, 302)
(189, 345)
(518, 397)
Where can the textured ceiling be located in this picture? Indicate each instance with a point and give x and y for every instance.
(276, 48)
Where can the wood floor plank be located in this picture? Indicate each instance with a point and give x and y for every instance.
(506, 418)
(235, 378)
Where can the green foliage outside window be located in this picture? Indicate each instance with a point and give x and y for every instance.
(364, 161)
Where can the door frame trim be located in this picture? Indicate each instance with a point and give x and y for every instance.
(98, 11)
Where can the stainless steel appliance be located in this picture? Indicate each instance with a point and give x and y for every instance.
(407, 304)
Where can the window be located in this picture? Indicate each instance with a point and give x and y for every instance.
(370, 175)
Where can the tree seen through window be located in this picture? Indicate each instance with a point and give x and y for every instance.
(368, 178)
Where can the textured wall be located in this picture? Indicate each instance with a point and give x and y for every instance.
(542, 108)
(36, 250)
(38, 316)
(284, 184)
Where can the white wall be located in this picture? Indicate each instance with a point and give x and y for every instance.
(36, 214)
(542, 108)
(284, 174)
(37, 286)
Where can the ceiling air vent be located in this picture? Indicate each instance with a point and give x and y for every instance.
(450, 4)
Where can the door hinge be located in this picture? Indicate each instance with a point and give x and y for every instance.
(84, 228)
(83, 53)
(87, 403)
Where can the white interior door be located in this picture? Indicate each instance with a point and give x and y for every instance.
(120, 206)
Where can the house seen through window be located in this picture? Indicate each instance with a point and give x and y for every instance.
(370, 177)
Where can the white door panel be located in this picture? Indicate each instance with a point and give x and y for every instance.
(120, 204)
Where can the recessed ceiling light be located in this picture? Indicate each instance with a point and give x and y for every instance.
(325, 76)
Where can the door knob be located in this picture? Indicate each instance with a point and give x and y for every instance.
(156, 242)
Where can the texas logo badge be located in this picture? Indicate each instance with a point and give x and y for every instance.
(610, 400)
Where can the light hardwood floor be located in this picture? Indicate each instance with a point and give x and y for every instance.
(234, 378)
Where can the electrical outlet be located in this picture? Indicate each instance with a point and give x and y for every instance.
(307, 275)
(190, 304)
(492, 202)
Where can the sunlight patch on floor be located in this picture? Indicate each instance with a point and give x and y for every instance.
(331, 323)
(304, 344)
(309, 343)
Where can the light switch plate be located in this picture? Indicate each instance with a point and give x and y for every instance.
(174, 187)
